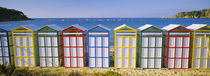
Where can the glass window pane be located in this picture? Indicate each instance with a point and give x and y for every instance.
(132, 52)
(17, 51)
(66, 41)
(66, 52)
(119, 52)
(23, 41)
(24, 51)
(144, 52)
(18, 61)
(5, 51)
(151, 41)
(29, 41)
(25, 61)
(98, 62)
(73, 41)
(41, 51)
(55, 51)
(118, 62)
(198, 41)
(79, 41)
(4, 41)
(105, 62)
(42, 62)
(151, 52)
(105, 52)
(171, 52)
(158, 52)
(41, 41)
(55, 62)
(73, 62)
(30, 52)
(80, 62)
(179, 42)
(158, 41)
(67, 62)
(132, 41)
(98, 41)
(98, 52)
(16, 41)
(91, 41)
(54, 41)
(118, 42)
(47, 41)
(204, 52)
(80, 52)
(73, 52)
(49, 62)
(48, 52)
(125, 62)
(144, 41)
(186, 52)
(171, 41)
(186, 41)
(92, 62)
(125, 41)
(125, 52)
(197, 52)
(92, 52)
(178, 52)
(105, 41)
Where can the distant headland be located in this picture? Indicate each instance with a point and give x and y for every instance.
(205, 13)
(11, 15)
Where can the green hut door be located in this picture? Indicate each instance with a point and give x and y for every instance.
(48, 47)
(150, 48)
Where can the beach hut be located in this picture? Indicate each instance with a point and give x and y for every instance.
(98, 47)
(4, 45)
(125, 47)
(177, 46)
(150, 46)
(49, 45)
(200, 46)
(23, 46)
(73, 46)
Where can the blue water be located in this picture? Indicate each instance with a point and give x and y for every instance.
(108, 22)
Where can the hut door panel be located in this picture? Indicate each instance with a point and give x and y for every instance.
(73, 51)
(98, 51)
(24, 47)
(48, 51)
(4, 51)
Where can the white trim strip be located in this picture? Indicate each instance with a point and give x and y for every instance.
(202, 33)
(47, 33)
(125, 33)
(151, 33)
(25, 33)
(72, 33)
(179, 33)
(95, 33)
(1, 33)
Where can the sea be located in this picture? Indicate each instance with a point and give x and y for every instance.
(108, 22)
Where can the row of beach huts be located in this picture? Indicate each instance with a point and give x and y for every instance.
(173, 46)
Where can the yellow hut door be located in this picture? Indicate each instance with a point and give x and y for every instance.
(23, 47)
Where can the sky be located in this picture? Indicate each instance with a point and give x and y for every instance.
(103, 8)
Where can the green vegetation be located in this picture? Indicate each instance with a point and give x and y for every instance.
(11, 15)
(10, 70)
(205, 13)
(7, 70)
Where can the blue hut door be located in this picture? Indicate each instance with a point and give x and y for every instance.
(98, 46)
(4, 48)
